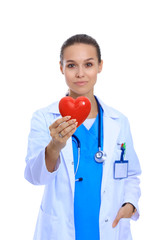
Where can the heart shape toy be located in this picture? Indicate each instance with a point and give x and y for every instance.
(78, 108)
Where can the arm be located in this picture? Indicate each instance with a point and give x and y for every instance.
(132, 189)
(44, 146)
(39, 137)
(131, 184)
(60, 131)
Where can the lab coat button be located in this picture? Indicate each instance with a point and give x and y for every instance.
(106, 220)
(72, 163)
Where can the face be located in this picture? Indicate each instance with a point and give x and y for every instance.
(80, 68)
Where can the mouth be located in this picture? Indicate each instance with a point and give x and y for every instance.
(81, 83)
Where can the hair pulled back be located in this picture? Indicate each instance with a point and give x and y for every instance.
(80, 38)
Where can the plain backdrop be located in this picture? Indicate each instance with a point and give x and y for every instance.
(31, 34)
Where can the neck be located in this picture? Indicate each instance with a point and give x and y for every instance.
(94, 108)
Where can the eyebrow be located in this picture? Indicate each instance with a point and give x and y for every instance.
(88, 59)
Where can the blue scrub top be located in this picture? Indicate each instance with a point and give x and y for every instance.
(87, 197)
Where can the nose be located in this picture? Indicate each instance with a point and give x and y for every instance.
(80, 72)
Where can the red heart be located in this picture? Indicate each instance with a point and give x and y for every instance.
(78, 108)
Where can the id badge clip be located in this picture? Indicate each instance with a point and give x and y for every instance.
(121, 166)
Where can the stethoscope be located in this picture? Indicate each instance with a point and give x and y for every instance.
(99, 156)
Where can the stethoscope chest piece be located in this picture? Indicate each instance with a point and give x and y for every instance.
(100, 156)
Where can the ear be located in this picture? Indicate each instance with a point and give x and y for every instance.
(100, 66)
(61, 67)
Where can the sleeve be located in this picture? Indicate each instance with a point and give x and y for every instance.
(39, 137)
(132, 188)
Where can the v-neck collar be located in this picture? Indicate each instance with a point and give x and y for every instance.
(82, 130)
(94, 126)
(95, 123)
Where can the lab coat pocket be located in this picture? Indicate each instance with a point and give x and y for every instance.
(124, 229)
(46, 227)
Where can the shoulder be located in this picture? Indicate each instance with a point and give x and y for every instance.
(47, 114)
(50, 109)
(111, 112)
(117, 117)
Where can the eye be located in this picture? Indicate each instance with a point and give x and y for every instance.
(71, 65)
(89, 64)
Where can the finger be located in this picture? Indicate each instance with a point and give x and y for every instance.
(60, 135)
(117, 219)
(59, 121)
(64, 125)
(67, 136)
(68, 129)
(135, 210)
(57, 132)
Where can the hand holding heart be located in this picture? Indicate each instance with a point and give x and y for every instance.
(74, 112)
(61, 130)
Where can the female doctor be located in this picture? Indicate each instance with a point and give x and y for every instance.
(91, 194)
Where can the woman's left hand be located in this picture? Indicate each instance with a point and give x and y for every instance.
(126, 211)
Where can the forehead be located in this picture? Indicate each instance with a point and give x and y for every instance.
(79, 51)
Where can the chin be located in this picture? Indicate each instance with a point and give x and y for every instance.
(80, 92)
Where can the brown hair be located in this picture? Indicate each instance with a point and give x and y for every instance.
(80, 38)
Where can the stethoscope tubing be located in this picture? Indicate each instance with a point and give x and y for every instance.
(99, 124)
(100, 156)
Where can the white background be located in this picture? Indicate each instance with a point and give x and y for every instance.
(31, 34)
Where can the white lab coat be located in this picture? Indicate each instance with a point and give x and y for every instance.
(56, 214)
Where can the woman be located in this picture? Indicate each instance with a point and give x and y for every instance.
(83, 198)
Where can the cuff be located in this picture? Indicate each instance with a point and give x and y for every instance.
(135, 206)
(39, 171)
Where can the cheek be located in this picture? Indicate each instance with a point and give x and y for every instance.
(68, 76)
(93, 74)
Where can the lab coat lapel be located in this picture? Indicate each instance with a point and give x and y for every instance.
(67, 153)
(111, 132)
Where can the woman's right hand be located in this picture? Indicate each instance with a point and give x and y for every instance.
(61, 130)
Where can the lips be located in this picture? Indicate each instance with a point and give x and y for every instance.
(81, 83)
